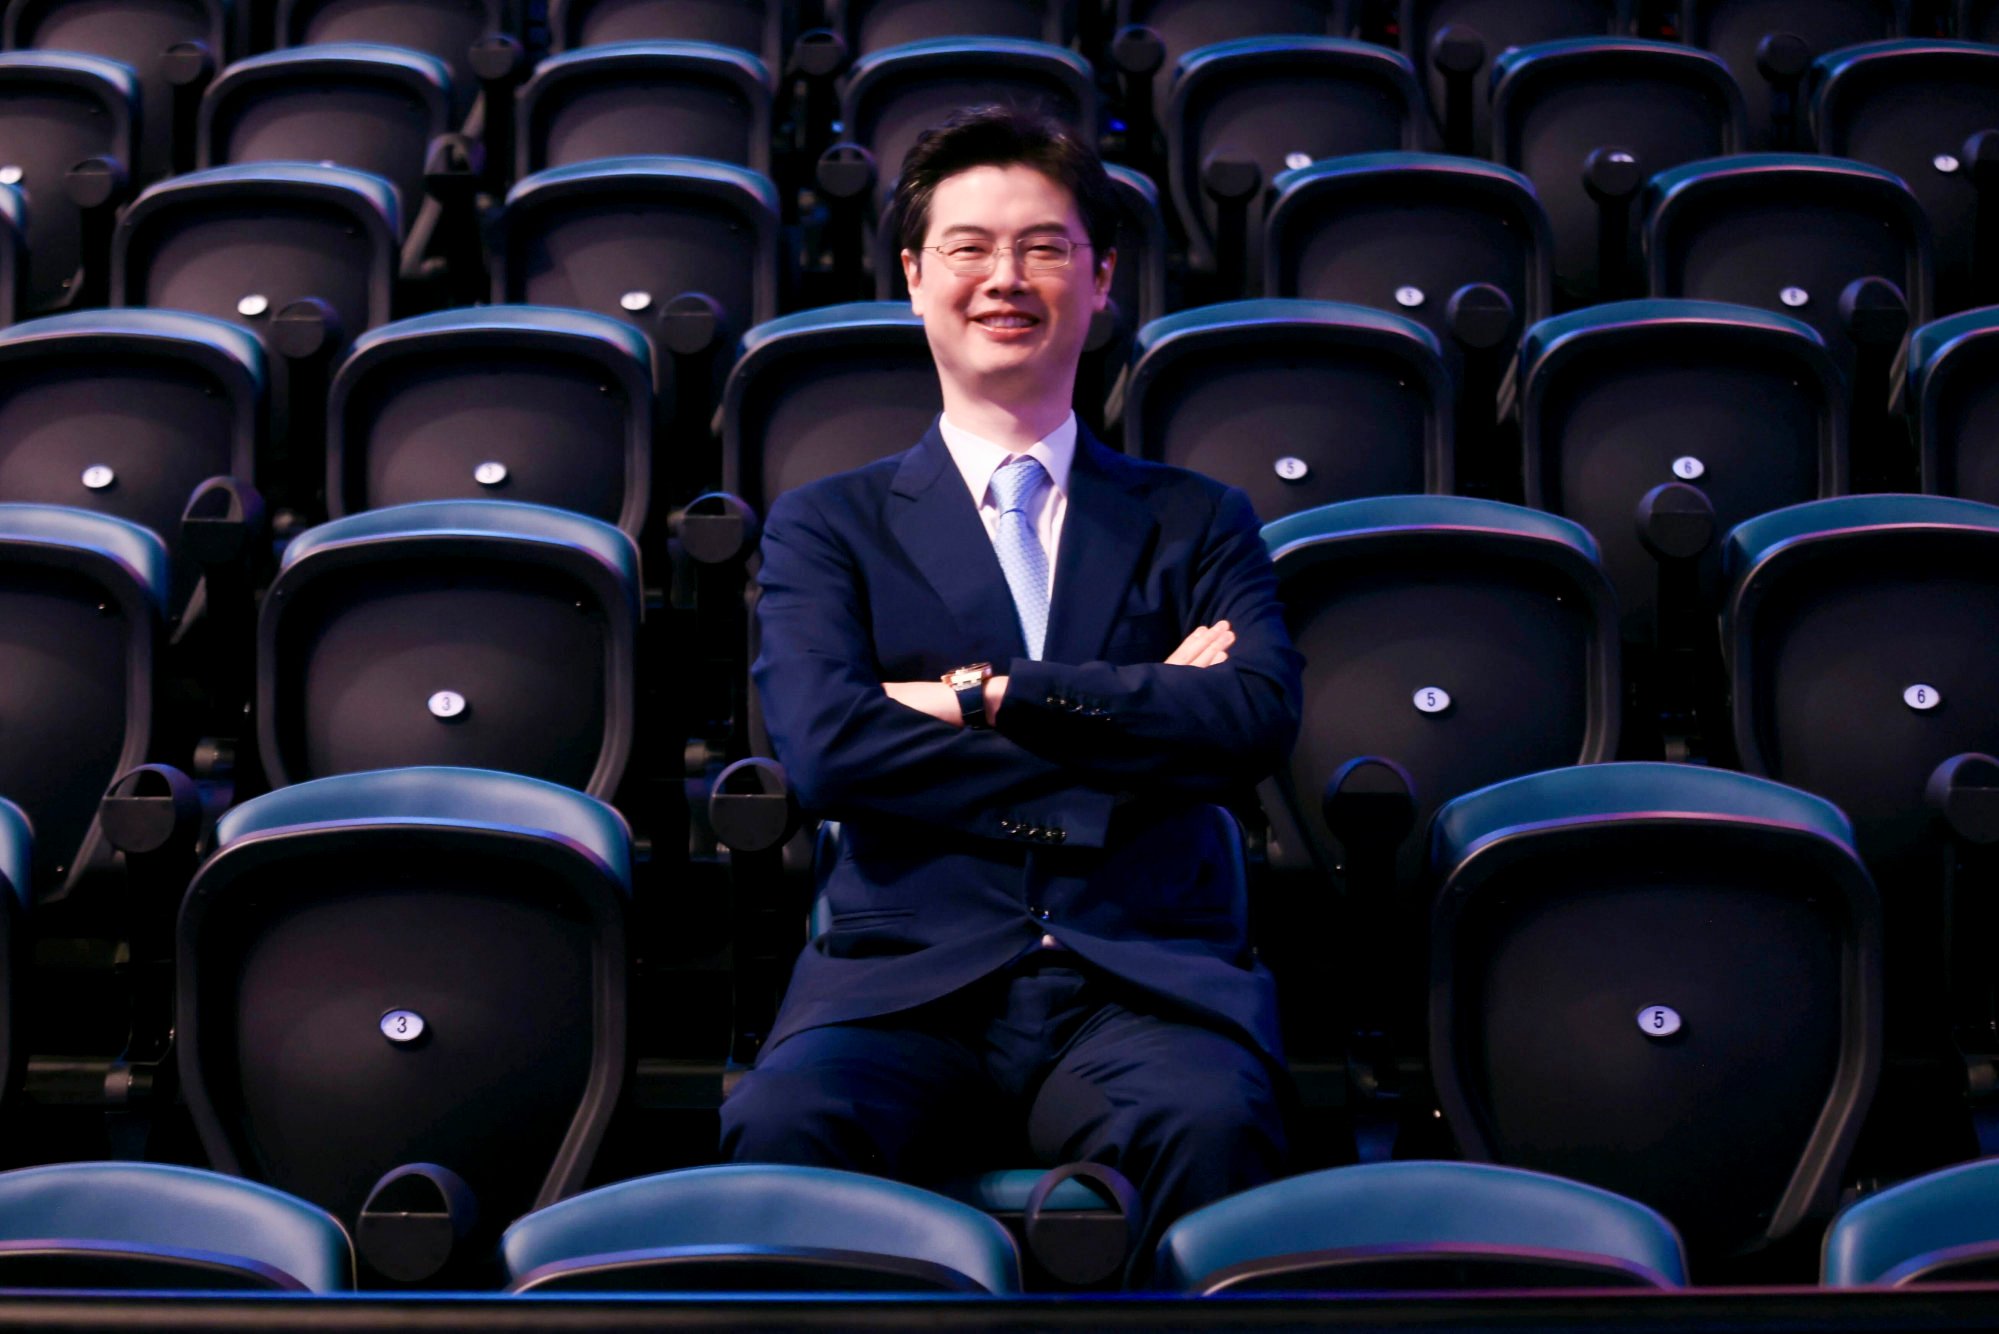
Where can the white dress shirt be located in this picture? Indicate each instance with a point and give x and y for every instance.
(979, 458)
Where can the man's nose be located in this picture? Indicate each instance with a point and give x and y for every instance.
(1009, 271)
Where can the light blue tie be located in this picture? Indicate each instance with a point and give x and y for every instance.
(1021, 557)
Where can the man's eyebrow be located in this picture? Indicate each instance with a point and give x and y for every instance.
(965, 229)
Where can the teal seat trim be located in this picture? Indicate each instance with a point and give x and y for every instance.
(426, 67)
(613, 171)
(1834, 65)
(1416, 1204)
(438, 795)
(174, 326)
(758, 1205)
(181, 1209)
(1376, 164)
(1280, 312)
(17, 853)
(824, 319)
(1955, 1206)
(1673, 180)
(480, 518)
(1388, 513)
(1006, 1192)
(379, 194)
(579, 324)
(1603, 793)
(1010, 49)
(120, 76)
(139, 551)
(1934, 343)
(1542, 340)
(1754, 541)
(1134, 180)
(741, 63)
(1203, 59)
(1511, 61)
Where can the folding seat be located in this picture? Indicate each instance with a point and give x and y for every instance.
(1619, 400)
(173, 47)
(373, 108)
(153, 1227)
(1612, 948)
(446, 30)
(1297, 402)
(1408, 1226)
(689, 99)
(1937, 1228)
(757, 1228)
(401, 996)
(1920, 110)
(1242, 111)
(59, 111)
(889, 98)
(1456, 42)
(867, 26)
(1948, 395)
(304, 256)
(1587, 121)
(1770, 45)
(761, 27)
(482, 633)
(527, 403)
(684, 250)
(1450, 643)
(1839, 245)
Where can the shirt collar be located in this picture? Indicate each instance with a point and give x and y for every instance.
(979, 458)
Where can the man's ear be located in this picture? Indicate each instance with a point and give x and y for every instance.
(1106, 265)
(912, 273)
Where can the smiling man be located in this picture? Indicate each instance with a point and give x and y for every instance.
(1017, 667)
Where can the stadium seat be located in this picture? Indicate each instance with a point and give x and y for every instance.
(1454, 42)
(1240, 112)
(446, 30)
(528, 403)
(58, 112)
(1937, 1228)
(1587, 121)
(1449, 643)
(152, 1227)
(402, 998)
(1297, 402)
(763, 28)
(172, 49)
(1770, 46)
(1411, 1226)
(1617, 401)
(1800, 236)
(303, 256)
(684, 250)
(757, 1228)
(688, 99)
(1920, 109)
(1612, 948)
(1947, 393)
(868, 26)
(84, 598)
(475, 632)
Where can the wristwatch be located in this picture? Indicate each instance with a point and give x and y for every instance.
(970, 684)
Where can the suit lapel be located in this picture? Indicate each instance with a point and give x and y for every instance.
(933, 517)
(1104, 535)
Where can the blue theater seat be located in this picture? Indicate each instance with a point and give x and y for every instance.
(759, 1228)
(446, 30)
(1769, 46)
(763, 28)
(59, 109)
(1420, 1225)
(687, 99)
(1453, 43)
(1939, 1228)
(1947, 394)
(152, 1227)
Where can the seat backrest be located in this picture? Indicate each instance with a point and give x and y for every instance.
(687, 99)
(1187, 25)
(58, 108)
(445, 30)
(1913, 1229)
(528, 403)
(1948, 395)
(1299, 403)
(1618, 399)
(1500, 25)
(326, 1040)
(1787, 233)
(1276, 103)
(1612, 946)
(876, 25)
(513, 630)
(372, 108)
(760, 27)
(1909, 107)
(135, 33)
(1736, 29)
(1556, 103)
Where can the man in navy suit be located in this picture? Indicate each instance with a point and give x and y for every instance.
(1018, 668)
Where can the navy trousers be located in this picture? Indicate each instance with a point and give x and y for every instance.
(1090, 1071)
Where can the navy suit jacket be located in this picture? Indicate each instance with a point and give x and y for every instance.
(1083, 814)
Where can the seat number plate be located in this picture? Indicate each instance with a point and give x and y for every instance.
(1431, 699)
(1921, 698)
(401, 1026)
(1658, 1021)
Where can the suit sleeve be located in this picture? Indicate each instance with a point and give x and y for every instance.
(1196, 731)
(848, 748)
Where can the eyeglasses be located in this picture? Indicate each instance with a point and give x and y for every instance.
(1038, 254)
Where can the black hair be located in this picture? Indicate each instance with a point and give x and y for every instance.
(1004, 136)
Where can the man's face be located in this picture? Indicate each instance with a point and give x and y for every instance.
(1010, 334)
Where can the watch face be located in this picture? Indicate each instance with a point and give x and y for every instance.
(974, 675)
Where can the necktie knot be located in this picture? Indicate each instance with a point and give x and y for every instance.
(1016, 482)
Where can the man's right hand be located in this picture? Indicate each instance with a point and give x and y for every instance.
(1208, 645)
